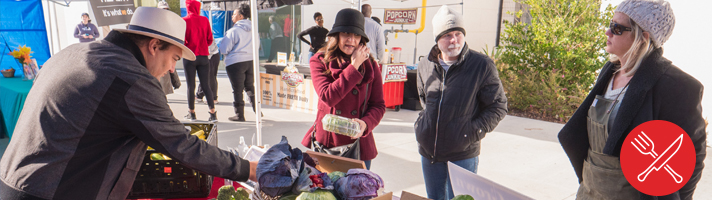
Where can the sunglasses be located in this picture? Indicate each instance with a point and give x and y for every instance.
(618, 29)
(318, 20)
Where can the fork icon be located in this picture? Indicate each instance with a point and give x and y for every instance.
(647, 148)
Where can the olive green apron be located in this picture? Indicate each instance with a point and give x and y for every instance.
(602, 174)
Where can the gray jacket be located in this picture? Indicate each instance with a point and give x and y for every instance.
(459, 106)
(86, 122)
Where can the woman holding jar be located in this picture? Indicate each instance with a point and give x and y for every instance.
(348, 83)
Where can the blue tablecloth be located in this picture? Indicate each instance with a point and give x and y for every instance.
(13, 92)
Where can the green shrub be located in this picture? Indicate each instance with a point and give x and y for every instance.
(548, 66)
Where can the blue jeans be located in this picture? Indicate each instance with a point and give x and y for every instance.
(437, 180)
(310, 55)
(368, 164)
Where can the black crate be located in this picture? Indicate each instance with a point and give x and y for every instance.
(171, 179)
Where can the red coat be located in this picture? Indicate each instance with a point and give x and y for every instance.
(340, 93)
(198, 35)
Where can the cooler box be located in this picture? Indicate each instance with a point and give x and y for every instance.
(393, 94)
(394, 77)
(171, 179)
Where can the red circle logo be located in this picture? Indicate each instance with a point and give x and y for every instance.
(657, 158)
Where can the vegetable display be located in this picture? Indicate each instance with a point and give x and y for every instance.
(285, 173)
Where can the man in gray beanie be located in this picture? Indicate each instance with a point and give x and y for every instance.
(462, 99)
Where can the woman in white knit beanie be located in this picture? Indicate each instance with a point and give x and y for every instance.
(636, 86)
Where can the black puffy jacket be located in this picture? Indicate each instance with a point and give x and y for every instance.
(459, 106)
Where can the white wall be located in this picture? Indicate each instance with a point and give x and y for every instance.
(61, 21)
(689, 47)
(474, 25)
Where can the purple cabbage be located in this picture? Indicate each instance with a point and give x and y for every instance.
(358, 184)
(278, 168)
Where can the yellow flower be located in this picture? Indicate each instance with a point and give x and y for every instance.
(22, 54)
(25, 50)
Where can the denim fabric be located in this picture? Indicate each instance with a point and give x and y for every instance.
(437, 180)
(368, 164)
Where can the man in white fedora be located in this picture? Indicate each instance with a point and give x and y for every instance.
(90, 116)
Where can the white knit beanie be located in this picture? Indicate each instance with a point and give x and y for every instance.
(446, 20)
(163, 5)
(654, 16)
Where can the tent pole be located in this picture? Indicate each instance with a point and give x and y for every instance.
(256, 64)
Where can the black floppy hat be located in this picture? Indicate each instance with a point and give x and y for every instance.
(349, 21)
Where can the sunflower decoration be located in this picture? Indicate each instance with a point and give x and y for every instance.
(22, 54)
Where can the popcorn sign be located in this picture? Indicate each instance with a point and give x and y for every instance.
(394, 73)
(400, 16)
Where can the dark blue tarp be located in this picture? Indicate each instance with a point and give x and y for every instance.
(22, 23)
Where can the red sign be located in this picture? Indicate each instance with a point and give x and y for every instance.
(394, 73)
(167, 170)
(400, 16)
(657, 158)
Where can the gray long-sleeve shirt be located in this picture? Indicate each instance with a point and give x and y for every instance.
(87, 121)
(275, 31)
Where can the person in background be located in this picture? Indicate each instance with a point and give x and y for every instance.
(237, 48)
(377, 44)
(377, 20)
(462, 99)
(277, 37)
(635, 86)
(90, 116)
(214, 61)
(349, 84)
(86, 31)
(168, 82)
(317, 35)
(288, 22)
(198, 36)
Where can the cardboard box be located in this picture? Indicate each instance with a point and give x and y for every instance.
(410, 196)
(387, 196)
(329, 163)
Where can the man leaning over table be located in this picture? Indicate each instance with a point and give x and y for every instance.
(87, 121)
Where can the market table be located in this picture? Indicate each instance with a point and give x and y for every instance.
(13, 92)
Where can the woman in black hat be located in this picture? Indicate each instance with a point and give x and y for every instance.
(86, 31)
(348, 82)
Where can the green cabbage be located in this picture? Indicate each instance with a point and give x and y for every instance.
(463, 197)
(316, 195)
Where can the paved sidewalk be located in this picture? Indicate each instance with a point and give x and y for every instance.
(522, 154)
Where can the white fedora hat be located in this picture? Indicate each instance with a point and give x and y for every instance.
(160, 24)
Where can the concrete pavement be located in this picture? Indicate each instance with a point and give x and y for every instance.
(522, 154)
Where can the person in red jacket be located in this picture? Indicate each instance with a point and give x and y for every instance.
(198, 36)
(344, 76)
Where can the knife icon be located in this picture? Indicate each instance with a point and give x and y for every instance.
(662, 159)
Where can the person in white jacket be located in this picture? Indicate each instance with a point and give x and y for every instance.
(237, 48)
(377, 44)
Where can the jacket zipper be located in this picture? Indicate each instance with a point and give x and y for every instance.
(437, 123)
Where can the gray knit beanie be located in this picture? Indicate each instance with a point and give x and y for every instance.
(445, 21)
(654, 16)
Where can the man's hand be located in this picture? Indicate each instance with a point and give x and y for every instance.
(253, 171)
(90, 36)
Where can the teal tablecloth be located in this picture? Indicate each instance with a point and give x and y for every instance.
(13, 92)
